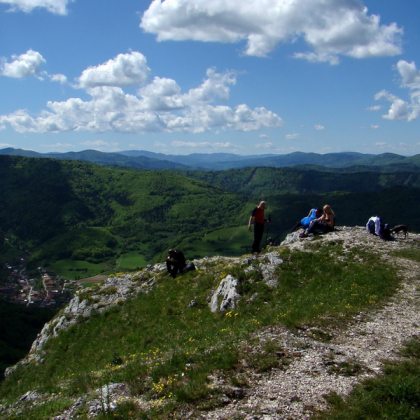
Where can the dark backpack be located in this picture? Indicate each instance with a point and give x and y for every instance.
(371, 227)
(189, 267)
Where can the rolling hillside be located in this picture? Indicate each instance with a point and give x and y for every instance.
(222, 161)
(56, 207)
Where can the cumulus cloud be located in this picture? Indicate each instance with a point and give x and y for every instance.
(27, 65)
(159, 105)
(58, 7)
(24, 65)
(60, 78)
(401, 109)
(330, 28)
(293, 136)
(319, 127)
(374, 126)
(122, 71)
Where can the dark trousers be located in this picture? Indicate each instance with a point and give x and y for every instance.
(319, 227)
(174, 268)
(258, 234)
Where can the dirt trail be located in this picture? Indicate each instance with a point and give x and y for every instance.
(297, 392)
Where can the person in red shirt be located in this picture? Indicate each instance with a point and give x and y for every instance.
(257, 217)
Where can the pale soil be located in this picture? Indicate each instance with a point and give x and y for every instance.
(296, 392)
(314, 367)
(94, 279)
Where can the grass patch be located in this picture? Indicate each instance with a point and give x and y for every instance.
(74, 270)
(46, 410)
(395, 395)
(228, 241)
(167, 351)
(327, 286)
(130, 261)
(411, 254)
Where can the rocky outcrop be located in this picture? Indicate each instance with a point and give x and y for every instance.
(226, 293)
(309, 362)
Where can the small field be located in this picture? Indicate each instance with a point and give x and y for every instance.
(131, 261)
(229, 242)
(76, 270)
(81, 270)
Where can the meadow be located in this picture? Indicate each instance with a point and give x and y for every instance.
(166, 351)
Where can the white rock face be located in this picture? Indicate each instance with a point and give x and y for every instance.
(313, 366)
(227, 294)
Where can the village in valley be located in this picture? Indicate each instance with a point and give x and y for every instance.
(43, 289)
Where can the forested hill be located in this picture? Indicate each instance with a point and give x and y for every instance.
(74, 212)
(268, 180)
(222, 161)
(46, 199)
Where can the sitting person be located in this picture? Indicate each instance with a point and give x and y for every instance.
(373, 225)
(323, 224)
(305, 222)
(175, 262)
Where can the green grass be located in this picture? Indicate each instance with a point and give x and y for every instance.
(130, 261)
(74, 270)
(411, 254)
(395, 395)
(166, 351)
(233, 241)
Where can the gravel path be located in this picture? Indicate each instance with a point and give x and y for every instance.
(319, 368)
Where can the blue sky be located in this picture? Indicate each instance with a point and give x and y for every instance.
(199, 76)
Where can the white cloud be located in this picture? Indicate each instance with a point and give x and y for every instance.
(100, 145)
(122, 71)
(5, 145)
(329, 27)
(399, 108)
(155, 144)
(318, 57)
(24, 65)
(57, 146)
(319, 127)
(201, 145)
(293, 136)
(374, 108)
(383, 145)
(60, 78)
(159, 106)
(375, 127)
(409, 74)
(58, 7)
(267, 145)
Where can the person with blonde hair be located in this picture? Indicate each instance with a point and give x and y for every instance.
(323, 224)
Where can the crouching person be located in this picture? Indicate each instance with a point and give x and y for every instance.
(175, 262)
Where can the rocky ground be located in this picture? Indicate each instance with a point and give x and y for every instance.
(352, 355)
(315, 366)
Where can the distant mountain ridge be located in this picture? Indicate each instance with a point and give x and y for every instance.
(142, 159)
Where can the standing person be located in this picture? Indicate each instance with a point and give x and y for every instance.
(257, 217)
(175, 262)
